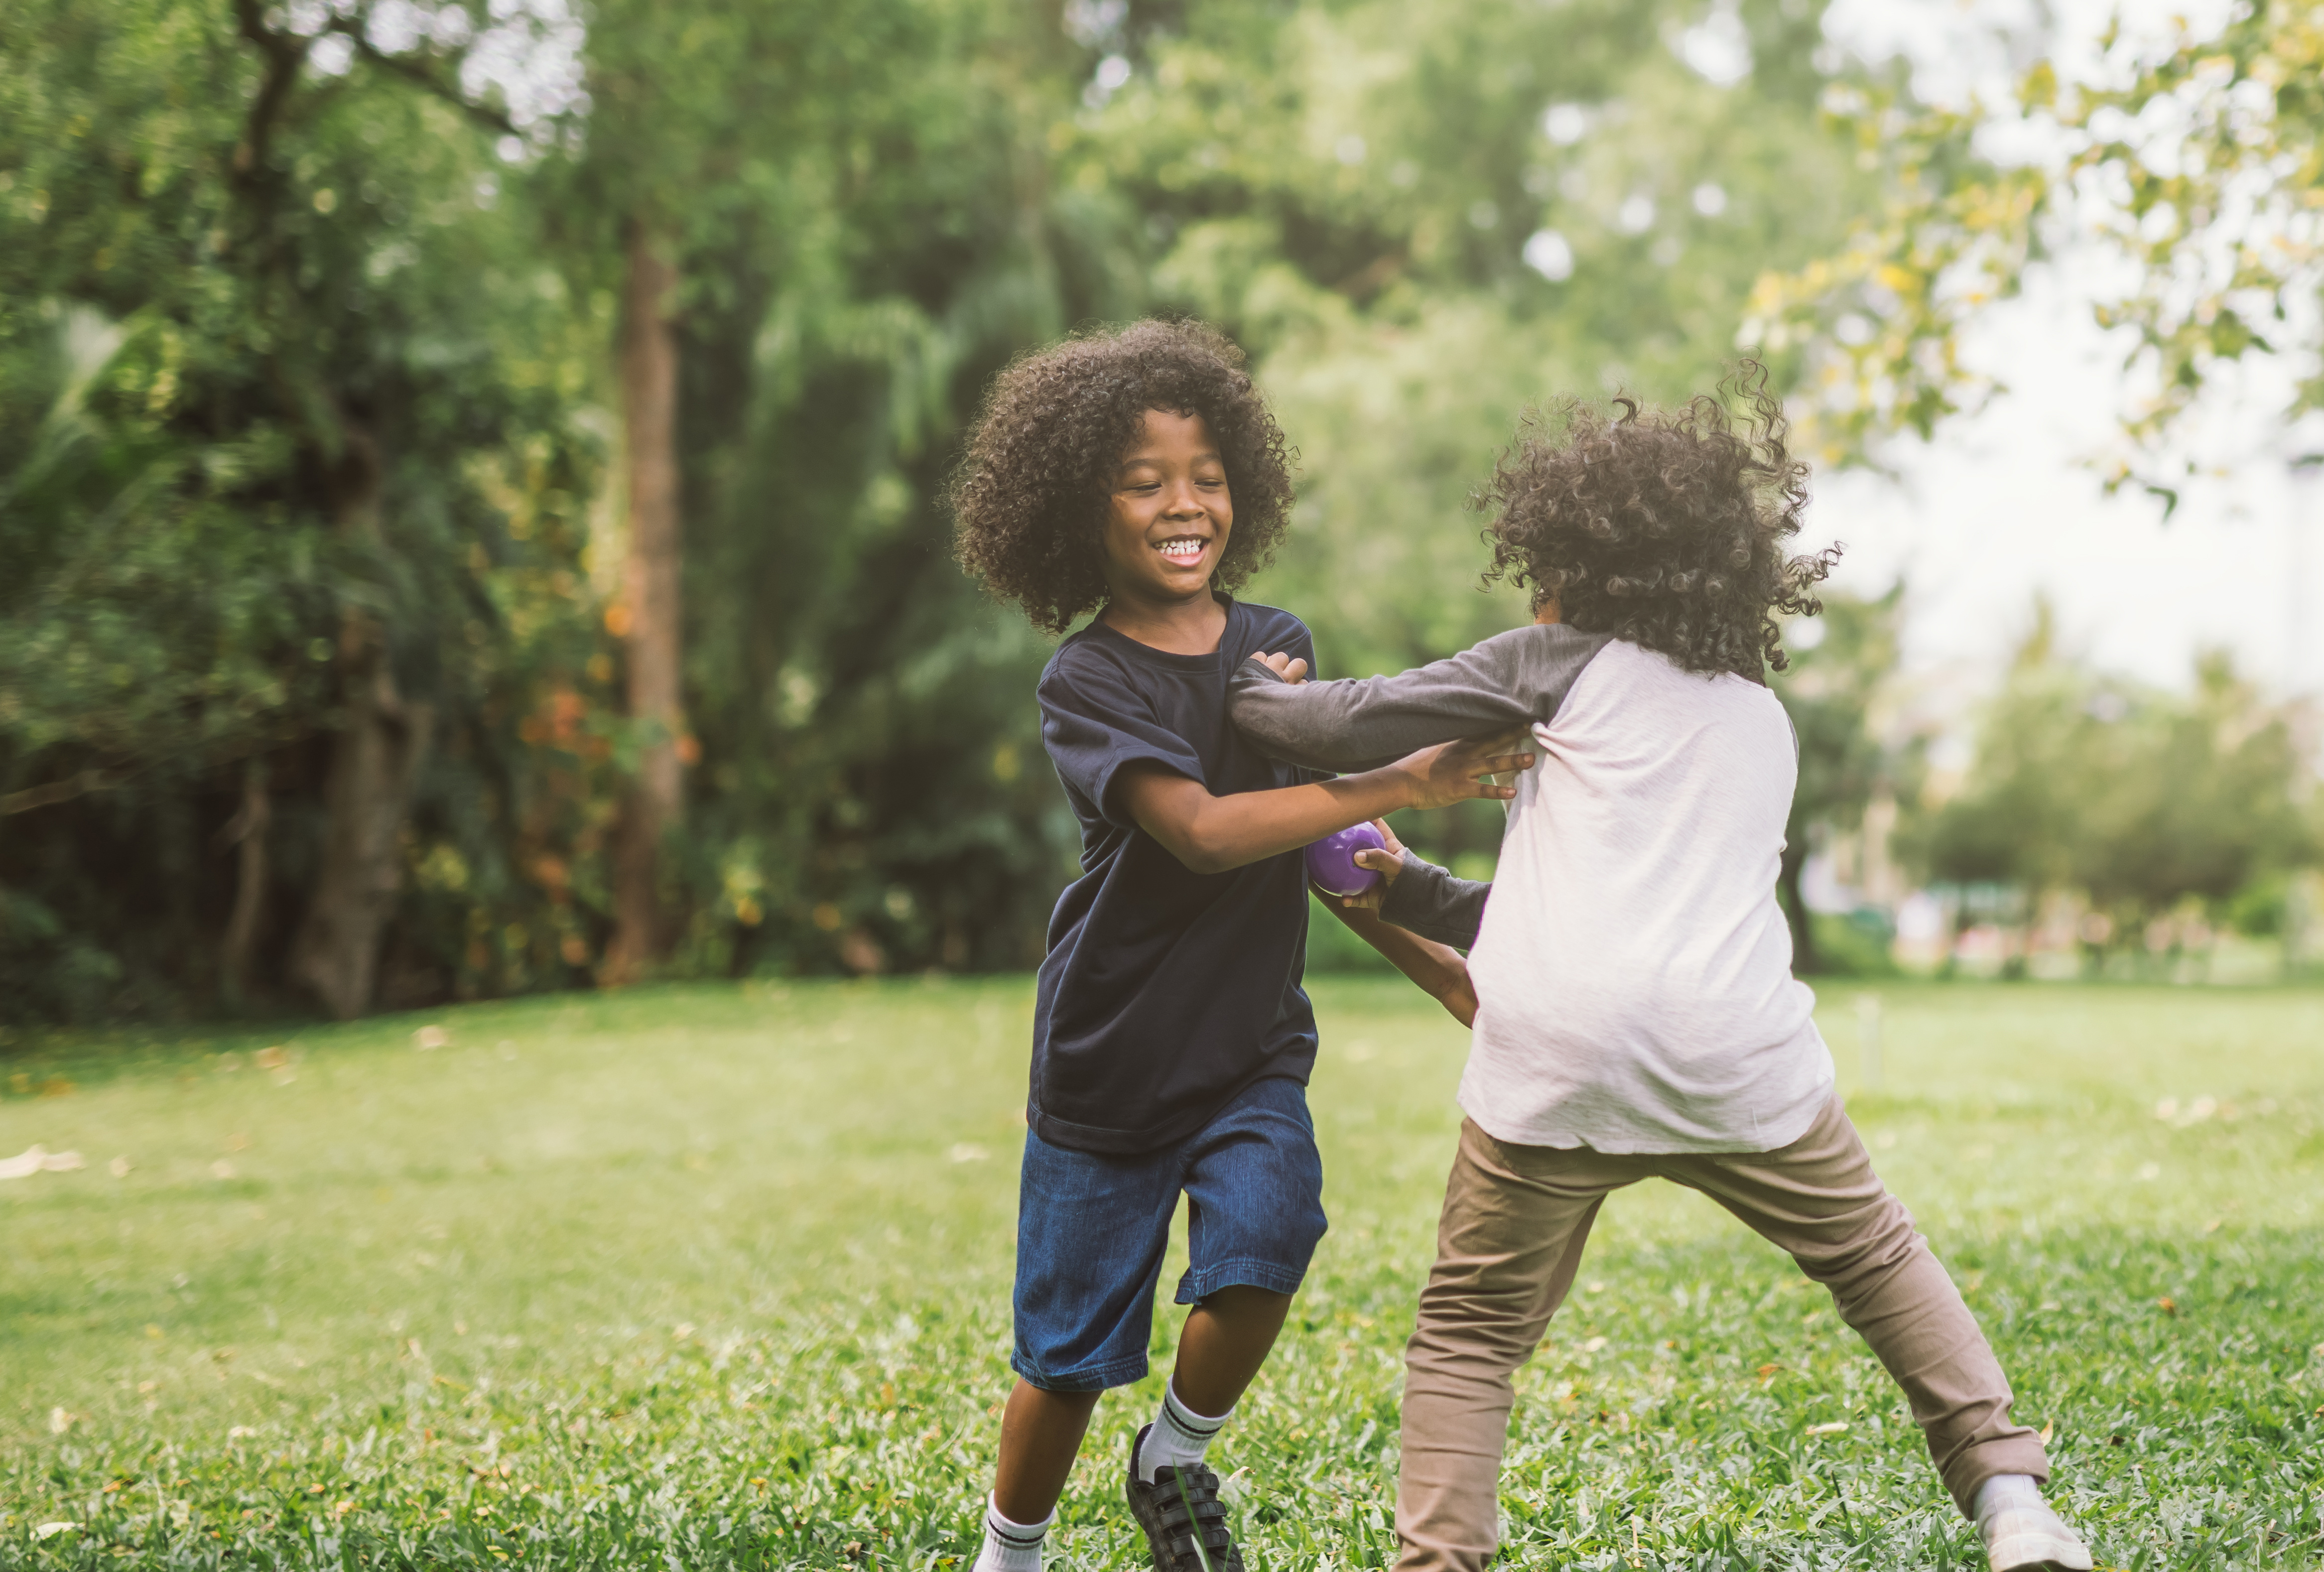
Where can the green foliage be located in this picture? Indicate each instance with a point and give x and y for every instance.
(1836, 692)
(2138, 800)
(238, 248)
(227, 272)
(549, 1296)
(2197, 166)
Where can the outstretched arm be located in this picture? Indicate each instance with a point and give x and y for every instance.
(1210, 835)
(1438, 970)
(1510, 681)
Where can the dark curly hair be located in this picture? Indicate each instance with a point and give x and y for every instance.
(1664, 527)
(1030, 496)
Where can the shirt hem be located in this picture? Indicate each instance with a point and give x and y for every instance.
(1771, 1135)
(1103, 1142)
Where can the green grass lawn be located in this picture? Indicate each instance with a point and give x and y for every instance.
(718, 1277)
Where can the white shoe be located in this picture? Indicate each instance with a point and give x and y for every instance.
(2027, 1537)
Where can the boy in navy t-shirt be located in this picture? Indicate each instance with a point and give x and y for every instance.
(1138, 474)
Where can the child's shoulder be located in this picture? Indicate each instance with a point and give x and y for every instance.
(1079, 654)
(1268, 628)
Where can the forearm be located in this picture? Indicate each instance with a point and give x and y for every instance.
(1436, 969)
(1430, 902)
(1211, 835)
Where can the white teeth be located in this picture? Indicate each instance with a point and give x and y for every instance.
(1182, 551)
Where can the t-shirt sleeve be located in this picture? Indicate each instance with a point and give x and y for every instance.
(1510, 681)
(1428, 900)
(1094, 721)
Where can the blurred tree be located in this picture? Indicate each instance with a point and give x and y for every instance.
(2013, 820)
(324, 583)
(853, 265)
(1833, 692)
(2139, 800)
(272, 337)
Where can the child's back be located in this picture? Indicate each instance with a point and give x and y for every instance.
(1634, 971)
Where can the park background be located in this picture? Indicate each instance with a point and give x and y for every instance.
(474, 567)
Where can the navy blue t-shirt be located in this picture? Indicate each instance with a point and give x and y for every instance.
(1165, 992)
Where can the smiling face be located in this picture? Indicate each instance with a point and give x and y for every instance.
(1170, 513)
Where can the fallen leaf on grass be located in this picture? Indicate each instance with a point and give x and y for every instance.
(35, 1160)
(1767, 1370)
(2169, 1305)
(1837, 1428)
(270, 1058)
(50, 1530)
(60, 1420)
(118, 1168)
(1594, 1345)
(2048, 1430)
(430, 1037)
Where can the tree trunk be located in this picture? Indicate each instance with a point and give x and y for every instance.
(246, 831)
(375, 760)
(1804, 958)
(648, 612)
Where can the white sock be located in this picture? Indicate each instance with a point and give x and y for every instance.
(2004, 1490)
(1179, 1437)
(1008, 1546)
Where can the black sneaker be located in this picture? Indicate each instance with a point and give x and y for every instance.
(1185, 1520)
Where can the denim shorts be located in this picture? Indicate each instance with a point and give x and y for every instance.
(1092, 1229)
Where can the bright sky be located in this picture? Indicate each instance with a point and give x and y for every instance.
(2008, 503)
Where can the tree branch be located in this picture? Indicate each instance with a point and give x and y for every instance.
(414, 71)
(283, 54)
(55, 791)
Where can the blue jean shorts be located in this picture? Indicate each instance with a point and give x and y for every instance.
(1092, 1229)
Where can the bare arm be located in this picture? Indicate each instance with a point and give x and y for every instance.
(1437, 970)
(1212, 834)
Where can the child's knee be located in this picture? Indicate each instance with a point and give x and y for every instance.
(1881, 1241)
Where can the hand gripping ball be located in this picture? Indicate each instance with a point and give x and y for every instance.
(1331, 862)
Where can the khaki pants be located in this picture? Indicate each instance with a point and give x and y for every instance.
(1515, 1218)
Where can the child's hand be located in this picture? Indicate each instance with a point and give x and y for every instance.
(1288, 668)
(1452, 772)
(1388, 865)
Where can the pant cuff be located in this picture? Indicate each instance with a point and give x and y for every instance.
(2019, 1453)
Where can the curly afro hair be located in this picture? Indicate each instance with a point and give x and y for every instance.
(1664, 527)
(1031, 494)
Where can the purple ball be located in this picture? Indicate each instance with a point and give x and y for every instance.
(1331, 862)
